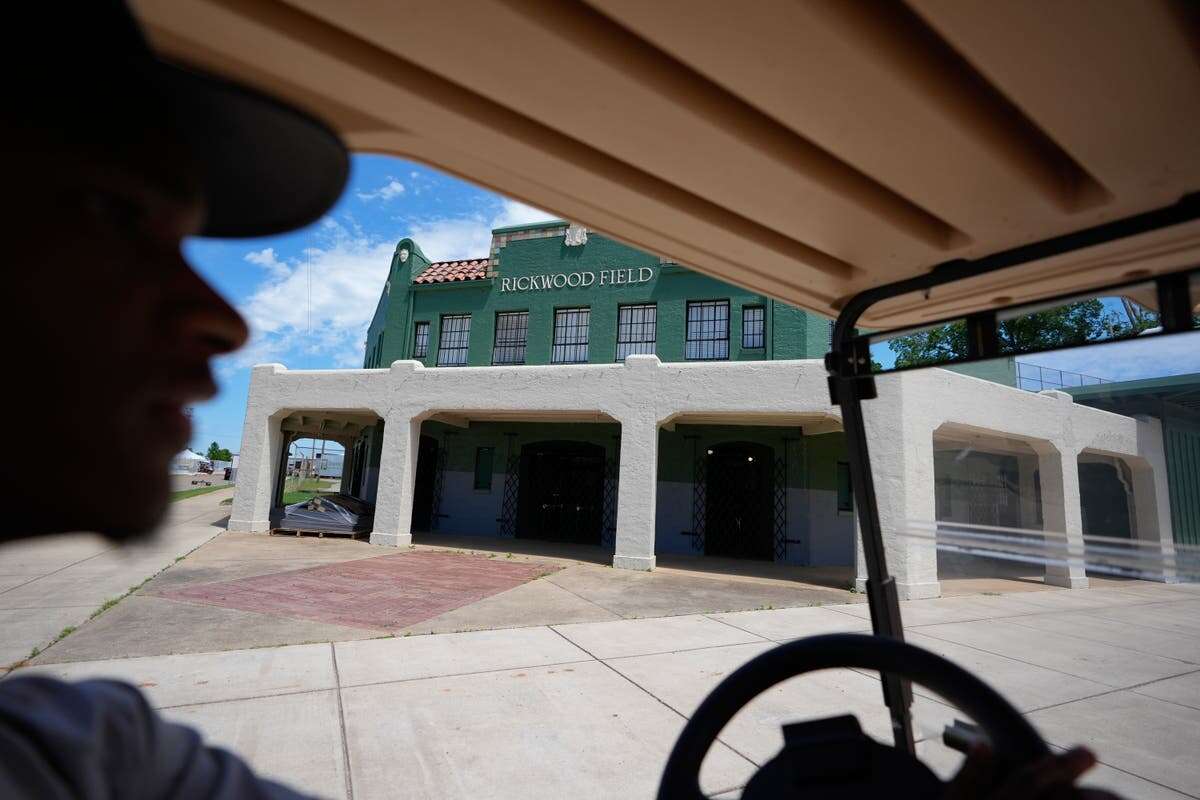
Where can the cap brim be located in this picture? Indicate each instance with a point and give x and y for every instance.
(267, 168)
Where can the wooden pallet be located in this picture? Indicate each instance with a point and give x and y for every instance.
(318, 534)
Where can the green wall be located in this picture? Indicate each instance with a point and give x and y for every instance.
(790, 333)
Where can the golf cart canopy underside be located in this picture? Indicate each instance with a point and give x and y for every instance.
(809, 151)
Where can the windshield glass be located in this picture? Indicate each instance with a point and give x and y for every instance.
(1041, 516)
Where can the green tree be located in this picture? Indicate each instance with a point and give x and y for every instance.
(1069, 325)
(218, 453)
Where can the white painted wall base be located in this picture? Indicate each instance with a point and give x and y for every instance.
(645, 563)
(1065, 581)
(391, 539)
(248, 525)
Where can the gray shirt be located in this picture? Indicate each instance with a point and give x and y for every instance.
(101, 739)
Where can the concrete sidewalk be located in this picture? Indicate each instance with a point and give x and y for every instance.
(591, 709)
(47, 586)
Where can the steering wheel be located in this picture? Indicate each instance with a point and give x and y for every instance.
(1014, 742)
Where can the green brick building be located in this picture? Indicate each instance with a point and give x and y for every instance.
(549, 293)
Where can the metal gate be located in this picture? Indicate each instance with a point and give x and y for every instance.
(779, 508)
(562, 492)
(507, 523)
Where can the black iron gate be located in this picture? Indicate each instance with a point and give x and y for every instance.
(507, 523)
(561, 494)
(775, 515)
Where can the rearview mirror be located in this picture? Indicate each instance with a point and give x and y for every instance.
(1109, 315)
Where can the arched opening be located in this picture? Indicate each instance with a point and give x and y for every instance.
(424, 487)
(740, 503)
(561, 496)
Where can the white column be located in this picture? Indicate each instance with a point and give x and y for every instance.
(397, 478)
(258, 459)
(637, 492)
(1058, 469)
(1152, 498)
(902, 467)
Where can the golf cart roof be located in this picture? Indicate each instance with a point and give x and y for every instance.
(808, 151)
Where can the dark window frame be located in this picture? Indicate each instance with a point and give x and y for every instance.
(517, 343)
(700, 345)
(420, 342)
(761, 322)
(486, 484)
(460, 338)
(845, 488)
(570, 328)
(636, 330)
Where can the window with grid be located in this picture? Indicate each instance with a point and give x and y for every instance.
(421, 340)
(754, 327)
(454, 340)
(707, 330)
(512, 331)
(571, 336)
(637, 330)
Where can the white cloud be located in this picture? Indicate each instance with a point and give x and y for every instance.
(266, 259)
(513, 212)
(386, 192)
(456, 238)
(315, 309)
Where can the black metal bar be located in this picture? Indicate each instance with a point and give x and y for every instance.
(1186, 210)
(851, 382)
(882, 599)
(1175, 302)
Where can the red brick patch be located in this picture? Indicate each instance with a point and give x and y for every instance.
(383, 593)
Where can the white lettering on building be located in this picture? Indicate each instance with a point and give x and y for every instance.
(623, 276)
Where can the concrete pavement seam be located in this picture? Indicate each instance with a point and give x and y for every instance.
(743, 630)
(1041, 666)
(658, 699)
(1134, 689)
(584, 599)
(337, 679)
(60, 569)
(1016, 621)
(1132, 774)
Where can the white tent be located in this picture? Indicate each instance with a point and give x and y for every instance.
(186, 462)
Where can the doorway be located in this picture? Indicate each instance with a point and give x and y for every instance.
(423, 488)
(561, 494)
(740, 501)
(1103, 500)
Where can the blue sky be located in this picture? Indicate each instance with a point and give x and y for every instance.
(309, 295)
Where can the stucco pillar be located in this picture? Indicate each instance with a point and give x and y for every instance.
(637, 491)
(258, 458)
(1058, 469)
(1152, 499)
(902, 467)
(397, 478)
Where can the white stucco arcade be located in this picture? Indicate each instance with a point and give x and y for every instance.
(642, 395)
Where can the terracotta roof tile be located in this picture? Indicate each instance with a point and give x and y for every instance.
(451, 271)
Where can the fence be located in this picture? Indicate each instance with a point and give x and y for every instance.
(1035, 378)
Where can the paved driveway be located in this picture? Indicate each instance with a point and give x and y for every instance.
(591, 709)
(46, 586)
